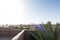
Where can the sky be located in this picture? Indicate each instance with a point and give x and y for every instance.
(29, 11)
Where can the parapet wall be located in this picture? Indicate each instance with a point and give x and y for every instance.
(19, 36)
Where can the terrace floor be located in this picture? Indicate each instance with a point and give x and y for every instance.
(5, 38)
(6, 34)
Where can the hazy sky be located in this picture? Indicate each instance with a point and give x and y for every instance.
(29, 11)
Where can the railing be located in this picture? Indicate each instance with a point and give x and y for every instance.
(19, 36)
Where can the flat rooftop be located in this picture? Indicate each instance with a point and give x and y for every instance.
(8, 34)
(5, 38)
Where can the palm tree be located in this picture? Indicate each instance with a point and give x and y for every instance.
(47, 33)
